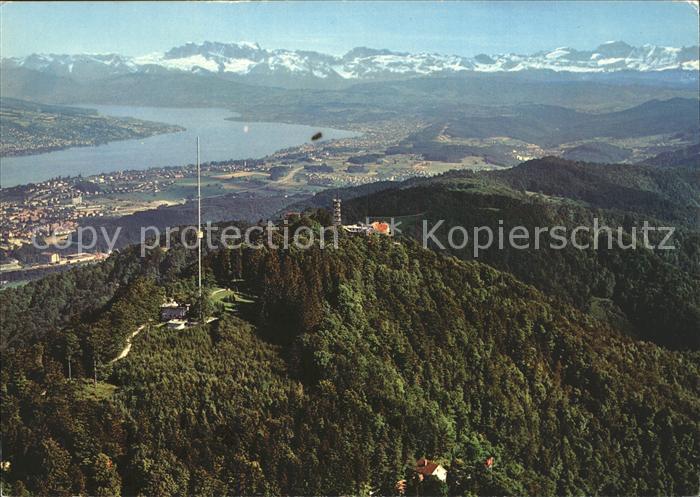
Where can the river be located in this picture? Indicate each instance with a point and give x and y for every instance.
(220, 140)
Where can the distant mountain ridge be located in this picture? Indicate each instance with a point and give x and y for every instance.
(244, 59)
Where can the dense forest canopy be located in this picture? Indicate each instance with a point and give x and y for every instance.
(343, 368)
(651, 294)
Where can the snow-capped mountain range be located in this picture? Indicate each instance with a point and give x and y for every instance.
(249, 59)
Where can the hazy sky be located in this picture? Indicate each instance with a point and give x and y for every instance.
(464, 28)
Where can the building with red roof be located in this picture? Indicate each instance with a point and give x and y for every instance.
(425, 467)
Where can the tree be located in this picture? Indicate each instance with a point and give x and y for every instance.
(53, 477)
(106, 479)
(202, 307)
(432, 486)
(72, 347)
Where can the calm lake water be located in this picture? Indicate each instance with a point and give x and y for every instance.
(219, 140)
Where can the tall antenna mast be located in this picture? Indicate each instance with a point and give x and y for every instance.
(199, 220)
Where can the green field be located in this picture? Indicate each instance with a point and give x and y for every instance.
(100, 391)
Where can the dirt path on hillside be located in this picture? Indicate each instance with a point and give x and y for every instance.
(127, 349)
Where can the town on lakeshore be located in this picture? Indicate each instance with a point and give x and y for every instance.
(52, 210)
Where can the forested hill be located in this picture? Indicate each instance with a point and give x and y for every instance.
(653, 295)
(687, 156)
(670, 194)
(338, 370)
(33, 128)
(665, 188)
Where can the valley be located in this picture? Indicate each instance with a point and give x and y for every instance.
(374, 150)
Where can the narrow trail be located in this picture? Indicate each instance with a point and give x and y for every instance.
(127, 349)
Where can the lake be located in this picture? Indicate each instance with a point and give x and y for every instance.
(219, 140)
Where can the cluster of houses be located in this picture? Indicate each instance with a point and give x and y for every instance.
(374, 228)
(55, 258)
